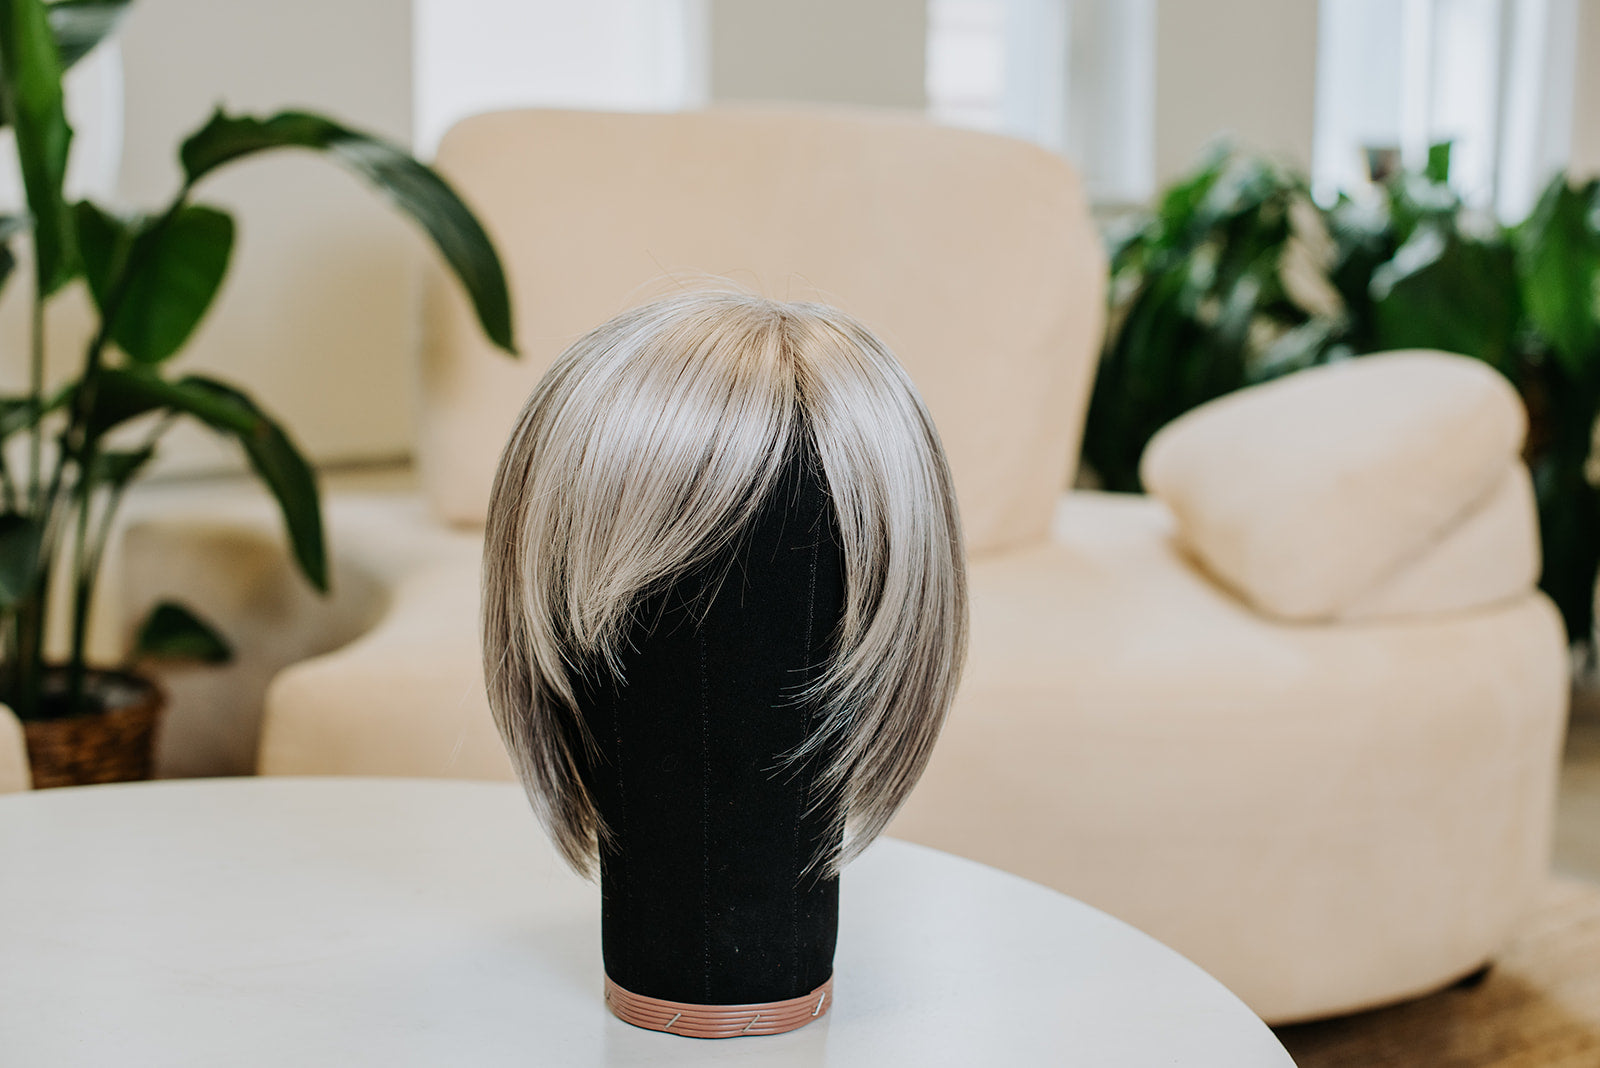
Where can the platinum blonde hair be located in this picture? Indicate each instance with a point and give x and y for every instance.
(643, 452)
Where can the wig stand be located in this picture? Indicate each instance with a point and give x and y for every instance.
(716, 922)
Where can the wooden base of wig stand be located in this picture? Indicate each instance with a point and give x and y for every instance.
(718, 1021)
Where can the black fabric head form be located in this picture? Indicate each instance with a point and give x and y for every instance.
(724, 617)
(706, 894)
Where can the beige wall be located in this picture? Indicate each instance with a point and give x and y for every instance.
(1586, 105)
(316, 316)
(1246, 68)
(835, 51)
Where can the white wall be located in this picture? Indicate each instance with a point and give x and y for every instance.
(1586, 110)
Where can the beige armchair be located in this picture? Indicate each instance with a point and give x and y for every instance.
(1326, 815)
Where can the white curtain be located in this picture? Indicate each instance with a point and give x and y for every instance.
(1494, 77)
(1076, 76)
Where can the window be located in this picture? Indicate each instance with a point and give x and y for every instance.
(1494, 77)
(479, 55)
(1076, 76)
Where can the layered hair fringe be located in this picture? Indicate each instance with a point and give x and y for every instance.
(646, 450)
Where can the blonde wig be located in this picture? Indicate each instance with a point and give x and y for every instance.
(643, 452)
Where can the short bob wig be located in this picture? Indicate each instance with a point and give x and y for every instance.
(643, 452)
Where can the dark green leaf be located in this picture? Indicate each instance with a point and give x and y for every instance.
(172, 632)
(116, 468)
(413, 187)
(1294, 350)
(19, 557)
(103, 242)
(10, 226)
(30, 89)
(1179, 204)
(1444, 291)
(1438, 168)
(124, 394)
(15, 413)
(173, 265)
(281, 466)
(1414, 202)
(1569, 535)
(80, 25)
(121, 395)
(1558, 257)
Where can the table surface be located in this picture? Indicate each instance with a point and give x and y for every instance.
(363, 921)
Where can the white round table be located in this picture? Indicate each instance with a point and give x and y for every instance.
(358, 921)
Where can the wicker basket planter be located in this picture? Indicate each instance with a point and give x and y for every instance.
(112, 745)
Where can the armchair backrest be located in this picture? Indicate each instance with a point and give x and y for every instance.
(973, 256)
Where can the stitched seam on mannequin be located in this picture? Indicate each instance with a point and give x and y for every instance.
(805, 732)
(705, 821)
(622, 798)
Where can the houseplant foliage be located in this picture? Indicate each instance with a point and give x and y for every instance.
(1238, 276)
(151, 278)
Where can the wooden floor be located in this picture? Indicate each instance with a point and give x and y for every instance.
(1538, 1007)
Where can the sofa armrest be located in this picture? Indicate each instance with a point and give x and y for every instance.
(1381, 486)
(407, 698)
(223, 553)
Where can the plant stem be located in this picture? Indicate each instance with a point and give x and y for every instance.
(87, 559)
(36, 396)
(82, 447)
(82, 582)
(8, 485)
(27, 645)
(32, 612)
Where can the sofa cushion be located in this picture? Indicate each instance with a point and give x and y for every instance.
(1490, 556)
(1307, 495)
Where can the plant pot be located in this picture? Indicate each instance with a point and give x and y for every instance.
(113, 744)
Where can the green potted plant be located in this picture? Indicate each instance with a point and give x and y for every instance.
(152, 277)
(1237, 276)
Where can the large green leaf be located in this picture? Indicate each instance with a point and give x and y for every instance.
(173, 632)
(30, 89)
(19, 556)
(1445, 291)
(80, 25)
(281, 466)
(413, 187)
(121, 395)
(168, 271)
(103, 242)
(1438, 167)
(1558, 260)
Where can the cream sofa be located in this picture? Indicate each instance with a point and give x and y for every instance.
(1326, 814)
